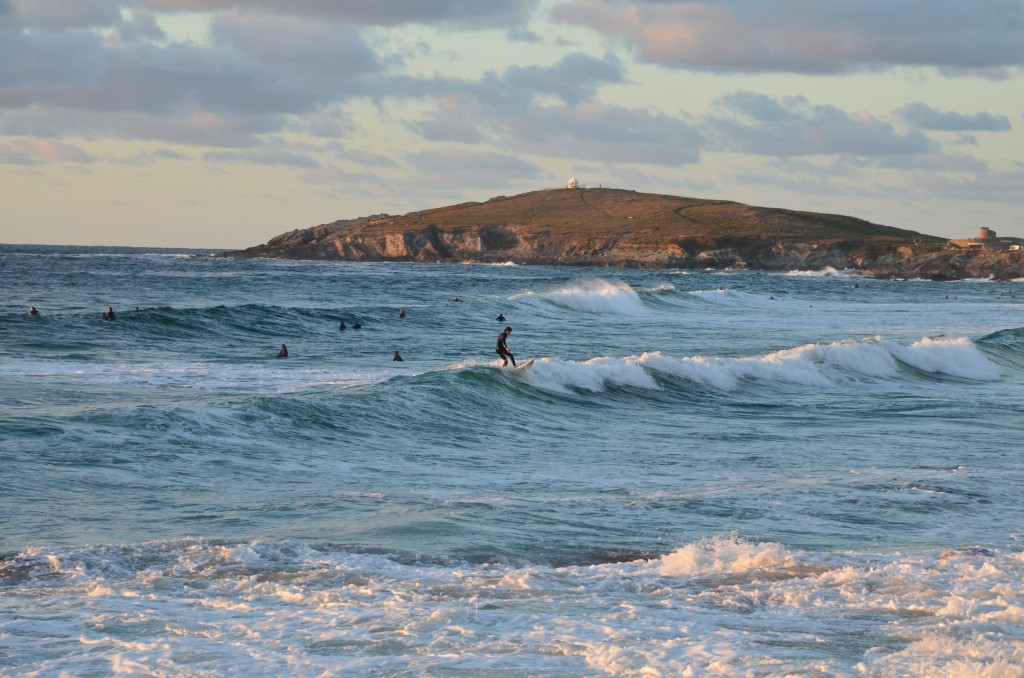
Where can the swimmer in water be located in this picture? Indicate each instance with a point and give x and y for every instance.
(283, 353)
(109, 315)
(398, 358)
(33, 311)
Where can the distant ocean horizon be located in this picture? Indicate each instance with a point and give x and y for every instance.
(703, 472)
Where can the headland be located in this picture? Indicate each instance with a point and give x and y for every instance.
(624, 228)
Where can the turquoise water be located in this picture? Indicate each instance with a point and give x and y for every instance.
(739, 472)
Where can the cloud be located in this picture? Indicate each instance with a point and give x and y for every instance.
(923, 116)
(51, 14)
(258, 73)
(39, 151)
(825, 36)
(605, 133)
(514, 109)
(457, 13)
(261, 156)
(792, 126)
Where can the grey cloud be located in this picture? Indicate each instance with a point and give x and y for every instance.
(574, 78)
(505, 107)
(167, 154)
(459, 13)
(55, 14)
(299, 46)
(261, 72)
(261, 156)
(17, 154)
(935, 162)
(754, 123)
(924, 116)
(827, 36)
(606, 133)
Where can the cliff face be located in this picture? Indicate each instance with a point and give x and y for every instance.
(605, 227)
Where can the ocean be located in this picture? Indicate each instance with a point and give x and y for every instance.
(703, 473)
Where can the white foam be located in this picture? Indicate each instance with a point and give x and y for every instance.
(591, 375)
(957, 357)
(812, 365)
(721, 605)
(722, 555)
(268, 377)
(827, 272)
(596, 295)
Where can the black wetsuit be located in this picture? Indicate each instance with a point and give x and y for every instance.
(502, 349)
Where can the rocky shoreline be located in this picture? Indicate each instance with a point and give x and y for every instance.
(765, 239)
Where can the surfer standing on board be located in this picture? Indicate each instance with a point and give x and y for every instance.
(502, 348)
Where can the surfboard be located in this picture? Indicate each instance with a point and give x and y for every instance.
(525, 365)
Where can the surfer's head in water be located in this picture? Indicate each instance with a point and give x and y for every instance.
(398, 358)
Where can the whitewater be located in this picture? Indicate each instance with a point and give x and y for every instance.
(703, 473)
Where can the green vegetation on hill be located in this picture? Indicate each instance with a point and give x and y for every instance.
(644, 218)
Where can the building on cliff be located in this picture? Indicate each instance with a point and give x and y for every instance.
(988, 240)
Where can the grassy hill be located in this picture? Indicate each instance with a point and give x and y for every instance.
(644, 217)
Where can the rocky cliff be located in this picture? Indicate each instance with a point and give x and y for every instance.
(609, 227)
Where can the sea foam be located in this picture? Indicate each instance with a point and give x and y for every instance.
(596, 295)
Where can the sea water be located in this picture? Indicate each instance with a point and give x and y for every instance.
(703, 473)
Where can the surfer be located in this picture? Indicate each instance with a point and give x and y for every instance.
(357, 325)
(456, 300)
(283, 353)
(398, 358)
(109, 315)
(342, 326)
(500, 318)
(33, 311)
(502, 348)
(401, 313)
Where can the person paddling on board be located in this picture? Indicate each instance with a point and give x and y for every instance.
(283, 353)
(500, 318)
(502, 348)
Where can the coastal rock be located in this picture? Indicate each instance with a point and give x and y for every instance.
(613, 227)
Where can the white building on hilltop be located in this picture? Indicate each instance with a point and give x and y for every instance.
(574, 184)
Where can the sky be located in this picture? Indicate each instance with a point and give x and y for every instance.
(222, 123)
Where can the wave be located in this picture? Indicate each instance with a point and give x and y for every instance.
(827, 272)
(812, 365)
(595, 295)
(720, 605)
